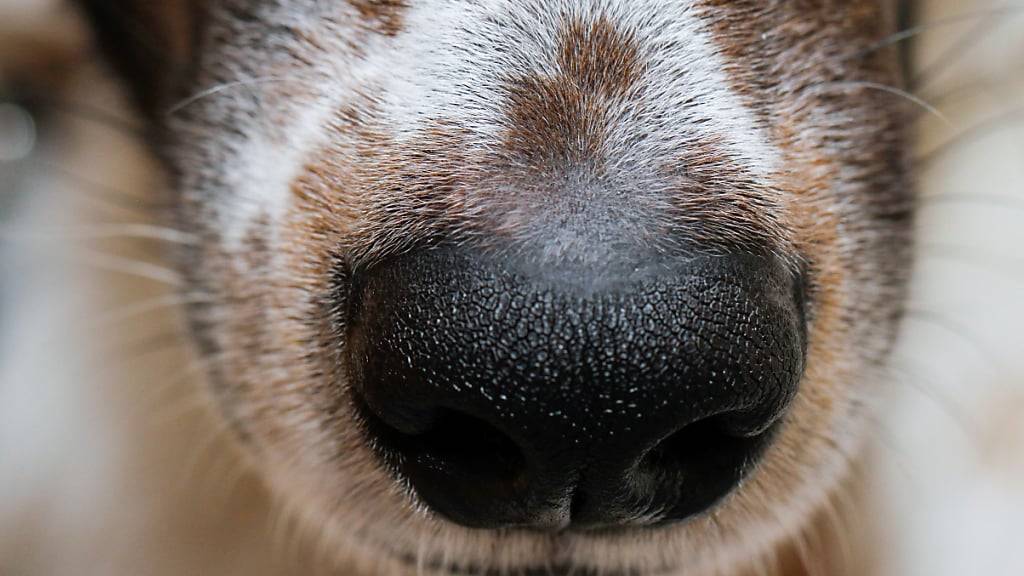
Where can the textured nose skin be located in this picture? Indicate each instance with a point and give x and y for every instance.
(551, 399)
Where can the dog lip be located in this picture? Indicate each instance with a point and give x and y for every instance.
(559, 569)
(448, 568)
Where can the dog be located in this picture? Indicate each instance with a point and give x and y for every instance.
(504, 287)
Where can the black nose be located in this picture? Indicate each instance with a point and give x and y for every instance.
(560, 398)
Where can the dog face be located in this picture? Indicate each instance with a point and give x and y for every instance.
(525, 285)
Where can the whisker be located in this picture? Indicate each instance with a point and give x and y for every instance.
(772, 561)
(886, 438)
(838, 512)
(109, 195)
(817, 543)
(219, 432)
(219, 88)
(90, 113)
(164, 414)
(914, 380)
(990, 200)
(163, 342)
(958, 49)
(103, 232)
(185, 404)
(955, 328)
(934, 25)
(1008, 267)
(805, 553)
(113, 318)
(131, 267)
(150, 305)
(973, 86)
(913, 99)
(980, 129)
(285, 531)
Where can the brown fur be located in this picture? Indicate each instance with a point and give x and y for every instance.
(385, 16)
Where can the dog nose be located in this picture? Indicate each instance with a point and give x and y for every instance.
(561, 397)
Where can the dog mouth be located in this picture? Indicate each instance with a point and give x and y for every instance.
(450, 568)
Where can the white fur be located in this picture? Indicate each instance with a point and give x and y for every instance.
(453, 58)
(449, 62)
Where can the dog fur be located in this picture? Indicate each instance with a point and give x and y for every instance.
(302, 138)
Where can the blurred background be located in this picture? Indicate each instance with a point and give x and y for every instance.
(951, 454)
(947, 471)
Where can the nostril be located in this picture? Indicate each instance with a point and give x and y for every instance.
(701, 446)
(468, 446)
(692, 469)
(699, 464)
(677, 477)
(455, 445)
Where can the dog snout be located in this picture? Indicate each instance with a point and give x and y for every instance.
(555, 398)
